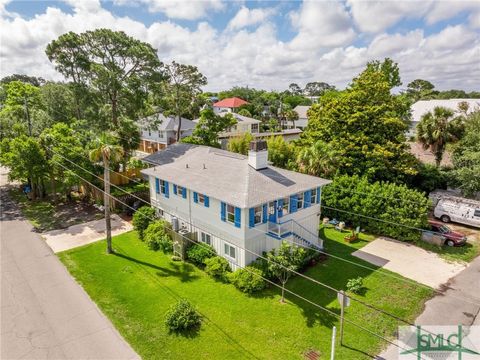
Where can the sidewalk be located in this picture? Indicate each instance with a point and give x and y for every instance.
(82, 234)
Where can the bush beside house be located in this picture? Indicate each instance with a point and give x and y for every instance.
(142, 218)
(248, 279)
(157, 237)
(217, 267)
(200, 252)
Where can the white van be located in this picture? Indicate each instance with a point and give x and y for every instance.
(459, 210)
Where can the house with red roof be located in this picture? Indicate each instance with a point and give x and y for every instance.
(228, 105)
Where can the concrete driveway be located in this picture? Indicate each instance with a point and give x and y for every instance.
(458, 302)
(82, 234)
(409, 261)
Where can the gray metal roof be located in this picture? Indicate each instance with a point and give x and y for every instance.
(226, 176)
(301, 110)
(165, 123)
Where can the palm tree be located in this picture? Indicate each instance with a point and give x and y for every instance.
(292, 116)
(318, 159)
(436, 129)
(106, 150)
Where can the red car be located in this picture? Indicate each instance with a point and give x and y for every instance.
(452, 238)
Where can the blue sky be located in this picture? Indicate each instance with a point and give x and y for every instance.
(265, 44)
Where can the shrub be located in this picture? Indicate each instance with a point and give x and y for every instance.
(262, 265)
(362, 203)
(157, 237)
(141, 219)
(355, 285)
(182, 316)
(217, 267)
(198, 253)
(248, 279)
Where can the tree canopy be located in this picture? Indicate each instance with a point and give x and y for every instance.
(365, 126)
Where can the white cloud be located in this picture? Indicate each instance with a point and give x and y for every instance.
(177, 9)
(376, 16)
(323, 48)
(443, 10)
(321, 24)
(248, 17)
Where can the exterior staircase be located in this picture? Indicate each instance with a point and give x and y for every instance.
(298, 233)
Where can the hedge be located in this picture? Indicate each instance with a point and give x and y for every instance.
(391, 203)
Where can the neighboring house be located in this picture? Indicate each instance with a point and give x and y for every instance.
(302, 121)
(228, 105)
(244, 124)
(422, 107)
(158, 132)
(231, 201)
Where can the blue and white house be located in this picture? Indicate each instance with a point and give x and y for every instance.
(238, 204)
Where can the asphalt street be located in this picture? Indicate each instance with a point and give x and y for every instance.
(45, 314)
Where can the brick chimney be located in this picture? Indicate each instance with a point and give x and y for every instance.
(258, 154)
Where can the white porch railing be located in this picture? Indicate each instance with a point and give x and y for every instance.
(298, 232)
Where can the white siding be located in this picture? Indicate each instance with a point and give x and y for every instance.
(208, 220)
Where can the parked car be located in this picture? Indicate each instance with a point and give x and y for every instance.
(452, 238)
(458, 209)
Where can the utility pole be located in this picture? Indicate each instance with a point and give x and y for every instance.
(27, 114)
(332, 351)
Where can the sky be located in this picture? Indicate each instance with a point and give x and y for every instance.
(263, 44)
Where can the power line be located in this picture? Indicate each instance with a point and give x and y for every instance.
(411, 282)
(265, 279)
(268, 260)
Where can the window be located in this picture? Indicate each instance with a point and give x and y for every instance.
(229, 251)
(201, 199)
(477, 212)
(258, 215)
(313, 196)
(163, 187)
(180, 190)
(299, 201)
(271, 208)
(254, 128)
(231, 213)
(206, 238)
(160, 134)
(149, 132)
(286, 202)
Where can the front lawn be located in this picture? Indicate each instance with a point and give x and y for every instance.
(136, 286)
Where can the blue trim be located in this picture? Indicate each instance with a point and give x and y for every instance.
(306, 198)
(195, 197)
(207, 200)
(157, 185)
(175, 189)
(293, 203)
(184, 193)
(264, 220)
(251, 217)
(167, 191)
(283, 236)
(319, 190)
(238, 217)
(280, 208)
(223, 211)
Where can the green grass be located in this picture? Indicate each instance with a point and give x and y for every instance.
(136, 286)
(465, 253)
